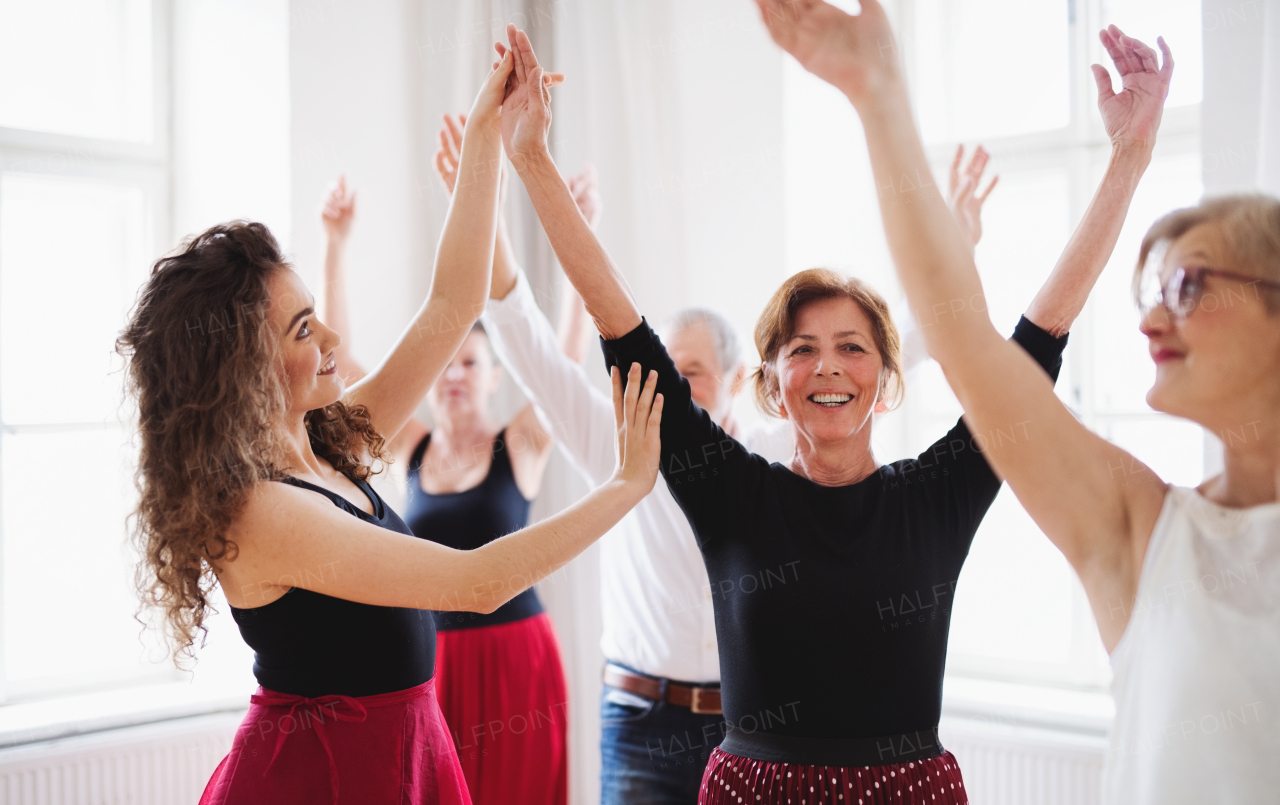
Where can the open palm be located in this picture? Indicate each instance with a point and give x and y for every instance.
(852, 53)
(1132, 116)
(526, 109)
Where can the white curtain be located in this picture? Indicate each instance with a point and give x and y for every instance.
(1240, 122)
(1269, 129)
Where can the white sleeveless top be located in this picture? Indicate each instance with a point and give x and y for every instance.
(1197, 672)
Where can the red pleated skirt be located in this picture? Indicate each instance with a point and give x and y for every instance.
(502, 691)
(391, 748)
(739, 780)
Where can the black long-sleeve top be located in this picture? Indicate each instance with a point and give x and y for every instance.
(832, 604)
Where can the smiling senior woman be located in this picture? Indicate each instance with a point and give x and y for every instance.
(833, 576)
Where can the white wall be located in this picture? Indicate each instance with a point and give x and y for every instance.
(231, 114)
(353, 101)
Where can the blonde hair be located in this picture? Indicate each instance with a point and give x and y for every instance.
(1249, 223)
(777, 325)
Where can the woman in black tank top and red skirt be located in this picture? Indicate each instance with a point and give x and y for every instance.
(253, 477)
(498, 676)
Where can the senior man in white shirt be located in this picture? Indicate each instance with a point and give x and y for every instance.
(660, 708)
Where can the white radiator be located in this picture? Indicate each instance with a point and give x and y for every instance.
(167, 763)
(1006, 764)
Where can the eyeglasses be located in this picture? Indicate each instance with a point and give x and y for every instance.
(1183, 290)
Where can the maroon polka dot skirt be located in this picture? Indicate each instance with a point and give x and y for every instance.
(733, 780)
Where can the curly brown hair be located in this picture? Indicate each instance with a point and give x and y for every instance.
(202, 366)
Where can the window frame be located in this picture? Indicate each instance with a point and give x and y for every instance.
(1084, 148)
(149, 167)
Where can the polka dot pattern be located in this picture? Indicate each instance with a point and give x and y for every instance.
(732, 780)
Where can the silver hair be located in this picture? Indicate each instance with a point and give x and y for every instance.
(724, 335)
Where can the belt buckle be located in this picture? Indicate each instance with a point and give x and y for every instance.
(695, 702)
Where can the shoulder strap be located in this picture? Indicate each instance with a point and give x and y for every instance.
(501, 462)
(415, 460)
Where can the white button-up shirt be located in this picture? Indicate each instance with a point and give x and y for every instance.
(655, 593)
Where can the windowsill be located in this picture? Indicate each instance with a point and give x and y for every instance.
(1022, 705)
(1008, 704)
(80, 714)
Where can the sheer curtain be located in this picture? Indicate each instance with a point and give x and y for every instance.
(1269, 134)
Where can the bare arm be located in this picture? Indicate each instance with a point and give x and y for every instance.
(585, 262)
(460, 282)
(289, 537)
(337, 213)
(1096, 502)
(1132, 119)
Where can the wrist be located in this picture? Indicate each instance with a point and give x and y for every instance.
(883, 99)
(535, 165)
(1131, 153)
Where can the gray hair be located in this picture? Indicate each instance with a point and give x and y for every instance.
(724, 335)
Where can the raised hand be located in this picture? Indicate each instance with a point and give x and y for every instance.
(855, 54)
(450, 148)
(637, 413)
(526, 108)
(963, 197)
(338, 210)
(486, 111)
(1132, 116)
(586, 195)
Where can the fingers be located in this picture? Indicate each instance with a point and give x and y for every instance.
(982, 197)
(521, 69)
(616, 379)
(631, 395)
(526, 51)
(455, 132)
(1166, 71)
(645, 403)
(447, 145)
(1139, 51)
(1103, 79)
(552, 79)
(655, 416)
(1110, 38)
(442, 167)
(955, 170)
(977, 164)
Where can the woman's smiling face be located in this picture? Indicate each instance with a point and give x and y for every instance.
(830, 372)
(306, 345)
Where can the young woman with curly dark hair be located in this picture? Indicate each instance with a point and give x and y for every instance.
(254, 473)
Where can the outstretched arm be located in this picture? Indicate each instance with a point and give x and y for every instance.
(525, 121)
(282, 528)
(1096, 502)
(460, 281)
(337, 213)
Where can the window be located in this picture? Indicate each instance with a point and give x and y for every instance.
(84, 208)
(1020, 612)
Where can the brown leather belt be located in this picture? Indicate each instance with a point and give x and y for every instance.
(703, 701)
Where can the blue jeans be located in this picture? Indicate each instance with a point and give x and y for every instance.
(652, 753)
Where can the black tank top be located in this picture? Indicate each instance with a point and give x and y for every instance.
(310, 644)
(471, 518)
